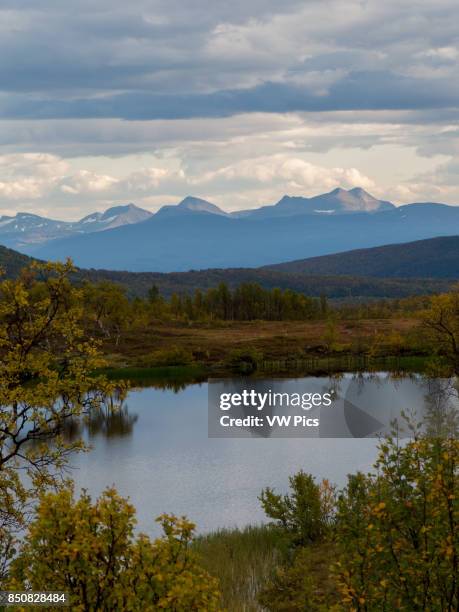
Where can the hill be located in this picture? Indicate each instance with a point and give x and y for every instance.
(349, 287)
(12, 262)
(434, 258)
(334, 287)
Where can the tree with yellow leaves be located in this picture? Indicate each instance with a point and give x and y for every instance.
(441, 322)
(89, 551)
(45, 381)
(398, 530)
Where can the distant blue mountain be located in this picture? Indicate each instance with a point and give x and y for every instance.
(191, 205)
(197, 235)
(337, 202)
(25, 230)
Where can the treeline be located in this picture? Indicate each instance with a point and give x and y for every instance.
(109, 307)
(334, 287)
(315, 283)
(109, 311)
(248, 302)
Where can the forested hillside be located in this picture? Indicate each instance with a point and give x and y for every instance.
(314, 285)
(435, 258)
(139, 283)
(12, 262)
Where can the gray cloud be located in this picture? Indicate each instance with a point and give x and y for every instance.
(357, 91)
(238, 101)
(147, 60)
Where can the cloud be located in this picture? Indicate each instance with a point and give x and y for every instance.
(430, 133)
(151, 99)
(294, 174)
(355, 91)
(47, 177)
(29, 176)
(85, 182)
(147, 60)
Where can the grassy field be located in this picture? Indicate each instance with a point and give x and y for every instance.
(183, 353)
(210, 343)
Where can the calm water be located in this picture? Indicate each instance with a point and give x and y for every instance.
(165, 462)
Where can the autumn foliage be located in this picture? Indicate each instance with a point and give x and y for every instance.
(90, 551)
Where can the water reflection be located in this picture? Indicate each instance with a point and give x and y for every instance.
(442, 414)
(359, 405)
(416, 403)
(111, 419)
(403, 405)
(160, 456)
(111, 423)
(171, 382)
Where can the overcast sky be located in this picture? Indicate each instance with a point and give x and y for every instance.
(106, 101)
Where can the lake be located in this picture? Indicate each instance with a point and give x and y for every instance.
(159, 455)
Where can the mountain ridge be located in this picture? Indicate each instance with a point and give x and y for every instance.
(201, 240)
(24, 229)
(432, 258)
(342, 287)
(197, 234)
(337, 201)
(191, 204)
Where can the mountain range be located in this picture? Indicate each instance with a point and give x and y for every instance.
(337, 202)
(196, 234)
(24, 230)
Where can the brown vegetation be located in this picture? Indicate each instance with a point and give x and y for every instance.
(211, 343)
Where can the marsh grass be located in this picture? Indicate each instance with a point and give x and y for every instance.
(243, 560)
(180, 376)
(160, 376)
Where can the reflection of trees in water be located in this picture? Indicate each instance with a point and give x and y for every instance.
(432, 411)
(111, 419)
(382, 378)
(167, 384)
(438, 417)
(111, 423)
(442, 402)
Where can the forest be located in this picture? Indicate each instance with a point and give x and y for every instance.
(108, 302)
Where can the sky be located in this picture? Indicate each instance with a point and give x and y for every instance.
(104, 102)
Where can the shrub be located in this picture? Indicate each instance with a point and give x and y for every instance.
(395, 535)
(398, 530)
(305, 584)
(307, 514)
(331, 335)
(244, 361)
(174, 356)
(89, 551)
